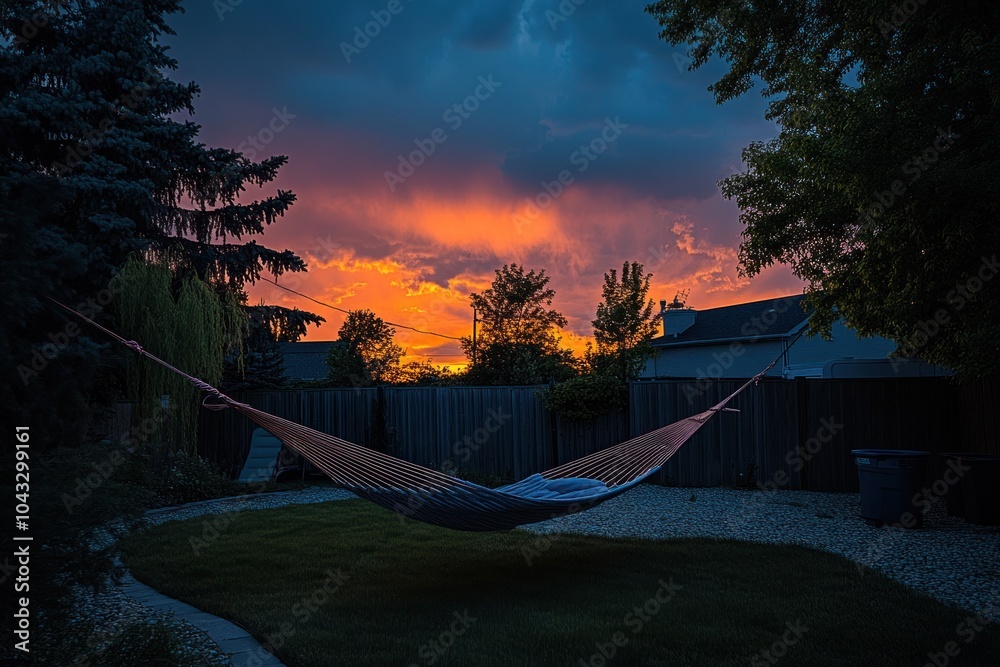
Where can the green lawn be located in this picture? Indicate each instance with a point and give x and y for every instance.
(421, 595)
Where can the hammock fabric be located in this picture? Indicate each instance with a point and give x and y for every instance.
(434, 497)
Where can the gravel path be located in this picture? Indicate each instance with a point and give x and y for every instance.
(112, 610)
(312, 494)
(949, 559)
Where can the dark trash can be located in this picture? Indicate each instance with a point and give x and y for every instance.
(890, 479)
(981, 489)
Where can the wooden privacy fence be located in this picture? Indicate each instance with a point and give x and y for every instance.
(501, 431)
(799, 434)
(790, 434)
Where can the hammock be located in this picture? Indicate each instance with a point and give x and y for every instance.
(437, 498)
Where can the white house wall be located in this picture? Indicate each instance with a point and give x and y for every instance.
(845, 344)
(717, 360)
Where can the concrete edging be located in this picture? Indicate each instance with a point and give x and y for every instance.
(238, 644)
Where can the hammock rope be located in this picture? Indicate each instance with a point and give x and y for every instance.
(435, 497)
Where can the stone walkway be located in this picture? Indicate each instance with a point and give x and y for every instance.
(238, 644)
(243, 650)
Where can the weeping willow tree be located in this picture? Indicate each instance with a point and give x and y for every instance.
(184, 321)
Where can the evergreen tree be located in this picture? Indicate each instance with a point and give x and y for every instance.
(95, 167)
(261, 366)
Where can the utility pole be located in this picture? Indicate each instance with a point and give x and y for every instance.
(473, 335)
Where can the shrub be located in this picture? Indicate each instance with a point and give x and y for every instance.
(142, 643)
(189, 478)
(585, 397)
(149, 644)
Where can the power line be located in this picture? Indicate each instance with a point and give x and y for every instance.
(400, 326)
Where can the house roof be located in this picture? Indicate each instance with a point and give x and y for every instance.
(306, 360)
(742, 321)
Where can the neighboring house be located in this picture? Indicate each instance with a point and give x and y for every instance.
(739, 341)
(306, 362)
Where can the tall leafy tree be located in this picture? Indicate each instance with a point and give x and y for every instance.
(96, 166)
(517, 340)
(625, 324)
(192, 327)
(880, 188)
(365, 353)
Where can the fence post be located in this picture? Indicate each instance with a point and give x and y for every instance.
(554, 421)
(379, 434)
(804, 427)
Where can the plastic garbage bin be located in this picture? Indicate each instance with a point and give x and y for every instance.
(981, 489)
(890, 479)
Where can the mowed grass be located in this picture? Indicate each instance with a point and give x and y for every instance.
(408, 584)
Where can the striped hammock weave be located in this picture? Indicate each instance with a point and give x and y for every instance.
(437, 498)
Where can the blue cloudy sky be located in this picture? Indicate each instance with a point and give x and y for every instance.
(431, 142)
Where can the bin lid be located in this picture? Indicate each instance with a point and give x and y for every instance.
(890, 453)
(969, 457)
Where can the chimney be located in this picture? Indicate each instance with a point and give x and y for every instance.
(677, 318)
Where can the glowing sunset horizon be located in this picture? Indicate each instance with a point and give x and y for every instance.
(461, 138)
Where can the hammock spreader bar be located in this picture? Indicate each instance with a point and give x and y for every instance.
(434, 497)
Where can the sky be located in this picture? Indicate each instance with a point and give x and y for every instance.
(430, 143)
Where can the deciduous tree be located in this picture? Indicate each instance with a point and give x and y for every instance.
(880, 189)
(625, 324)
(517, 341)
(365, 353)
